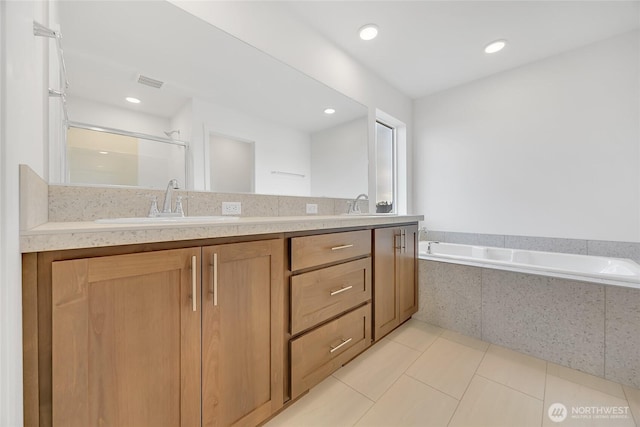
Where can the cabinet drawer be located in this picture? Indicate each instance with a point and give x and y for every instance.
(310, 251)
(316, 354)
(322, 294)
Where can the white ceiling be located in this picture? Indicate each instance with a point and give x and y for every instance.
(427, 46)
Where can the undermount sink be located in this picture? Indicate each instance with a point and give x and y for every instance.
(167, 219)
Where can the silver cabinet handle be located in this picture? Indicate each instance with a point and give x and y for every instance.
(397, 245)
(215, 279)
(194, 285)
(403, 240)
(339, 291)
(336, 348)
(337, 248)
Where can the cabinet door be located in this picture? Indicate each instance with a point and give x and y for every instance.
(126, 340)
(386, 298)
(243, 318)
(407, 273)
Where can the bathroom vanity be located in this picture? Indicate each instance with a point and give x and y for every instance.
(225, 328)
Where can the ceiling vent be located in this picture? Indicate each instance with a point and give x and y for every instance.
(144, 80)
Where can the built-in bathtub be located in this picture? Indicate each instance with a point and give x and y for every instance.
(574, 310)
(613, 271)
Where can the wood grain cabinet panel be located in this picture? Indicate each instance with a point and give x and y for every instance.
(395, 280)
(242, 355)
(319, 295)
(126, 340)
(312, 251)
(318, 353)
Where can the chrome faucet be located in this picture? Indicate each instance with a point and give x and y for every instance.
(166, 207)
(354, 208)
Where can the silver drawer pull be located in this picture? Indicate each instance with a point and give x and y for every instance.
(336, 348)
(339, 291)
(337, 248)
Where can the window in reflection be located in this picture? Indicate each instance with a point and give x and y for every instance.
(385, 168)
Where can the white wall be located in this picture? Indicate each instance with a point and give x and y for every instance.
(274, 29)
(23, 108)
(549, 149)
(277, 148)
(338, 168)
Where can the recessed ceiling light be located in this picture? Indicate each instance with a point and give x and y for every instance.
(495, 46)
(329, 110)
(103, 152)
(368, 32)
(132, 100)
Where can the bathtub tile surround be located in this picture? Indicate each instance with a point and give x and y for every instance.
(539, 316)
(475, 239)
(546, 244)
(630, 250)
(614, 249)
(452, 301)
(622, 332)
(581, 325)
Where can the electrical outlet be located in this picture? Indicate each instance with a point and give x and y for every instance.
(312, 208)
(231, 208)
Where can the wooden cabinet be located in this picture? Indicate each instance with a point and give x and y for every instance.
(242, 339)
(315, 355)
(173, 335)
(395, 279)
(141, 340)
(313, 251)
(126, 340)
(319, 295)
(329, 304)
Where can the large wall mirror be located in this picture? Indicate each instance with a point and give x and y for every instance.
(213, 111)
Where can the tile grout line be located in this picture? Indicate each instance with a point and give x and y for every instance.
(365, 396)
(430, 386)
(510, 388)
(633, 417)
(469, 384)
(466, 345)
(604, 338)
(544, 392)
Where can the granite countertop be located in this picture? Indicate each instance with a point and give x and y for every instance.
(89, 234)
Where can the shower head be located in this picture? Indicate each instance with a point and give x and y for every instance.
(170, 133)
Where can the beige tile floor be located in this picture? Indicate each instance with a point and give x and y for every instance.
(422, 375)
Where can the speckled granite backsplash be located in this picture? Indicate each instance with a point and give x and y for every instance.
(629, 250)
(84, 203)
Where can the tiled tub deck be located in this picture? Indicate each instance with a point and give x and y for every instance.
(587, 326)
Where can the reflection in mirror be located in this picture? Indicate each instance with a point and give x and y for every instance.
(232, 164)
(104, 156)
(193, 78)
